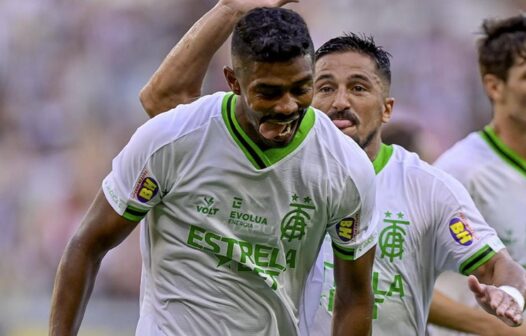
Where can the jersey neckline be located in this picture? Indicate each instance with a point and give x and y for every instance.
(502, 150)
(262, 158)
(382, 158)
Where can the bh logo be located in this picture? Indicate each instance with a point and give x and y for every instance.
(147, 190)
(460, 232)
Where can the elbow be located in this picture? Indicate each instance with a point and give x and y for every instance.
(148, 102)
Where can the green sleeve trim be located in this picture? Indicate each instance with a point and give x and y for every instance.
(342, 253)
(476, 260)
(328, 265)
(134, 214)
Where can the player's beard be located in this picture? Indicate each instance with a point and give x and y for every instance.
(364, 142)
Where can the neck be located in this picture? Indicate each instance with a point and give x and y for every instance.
(512, 132)
(373, 148)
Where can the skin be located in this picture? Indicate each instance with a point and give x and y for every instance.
(269, 92)
(347, 86)
(508, 98)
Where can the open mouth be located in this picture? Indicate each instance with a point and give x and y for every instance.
(272, 129)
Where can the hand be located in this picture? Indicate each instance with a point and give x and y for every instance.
(244, 6)
(496, 302)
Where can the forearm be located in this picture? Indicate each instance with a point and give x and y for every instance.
(503, 270)
(180, 76)
(450, 314)
(73, 285)
(353, 316)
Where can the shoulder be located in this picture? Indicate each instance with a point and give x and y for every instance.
(343, 151)
(429, 180)
(465, 158)
(172, 125)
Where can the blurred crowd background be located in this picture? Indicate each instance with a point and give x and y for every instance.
(70, 74)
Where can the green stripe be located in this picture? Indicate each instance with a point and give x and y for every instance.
(327, 264)
(382, 158)
(228, 113)
(136, 210)
(506, 153)
(342, 253)
(134, 214)
(476, 260)
(262, 158)
(131, 217)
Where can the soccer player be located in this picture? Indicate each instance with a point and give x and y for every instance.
(429, 224)
(491, 163)
(238, 190)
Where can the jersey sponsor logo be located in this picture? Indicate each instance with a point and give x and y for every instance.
(147, 190)
(266, 261)
(207, 206)
(346, 229)
(294, 223)
(392, 237)
(246, 221)
(460, 231)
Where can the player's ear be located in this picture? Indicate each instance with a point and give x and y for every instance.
(388, 109)
(232, 80)
(493, 86)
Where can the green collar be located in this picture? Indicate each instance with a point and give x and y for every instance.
(506, 153)
(260, 158)
(382, 158)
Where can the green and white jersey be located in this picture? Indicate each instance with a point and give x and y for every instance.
(495, 176)
(428, 224)
(232, 230)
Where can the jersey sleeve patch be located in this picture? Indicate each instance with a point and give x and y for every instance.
(146, 188)
(461, 232)
(347, 228)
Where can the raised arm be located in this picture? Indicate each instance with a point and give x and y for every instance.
(101, 230)
(179, 78)
(353, 304)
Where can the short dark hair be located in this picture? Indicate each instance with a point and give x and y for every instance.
(271, 35)
(502, 43)
(362, 44)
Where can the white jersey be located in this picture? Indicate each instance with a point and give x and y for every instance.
(428, 224)
(495, 176)
(232, 230)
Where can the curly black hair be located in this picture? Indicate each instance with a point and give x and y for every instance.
(271, 35)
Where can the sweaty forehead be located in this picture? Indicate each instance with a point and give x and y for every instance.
(347, 64)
